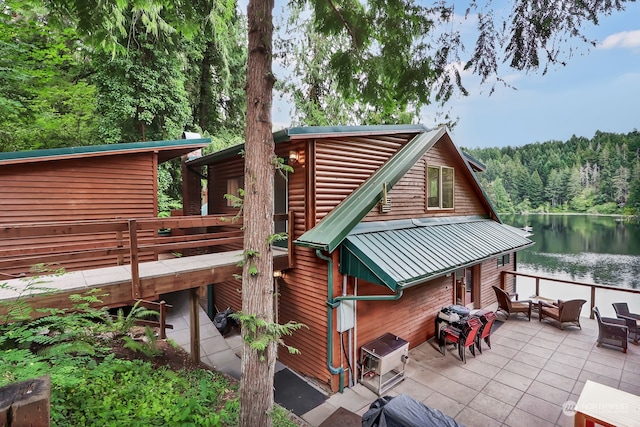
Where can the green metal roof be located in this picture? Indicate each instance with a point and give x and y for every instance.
(334, 227)
(180, 146)
(307, 132)
(323, 131)
(400, 254)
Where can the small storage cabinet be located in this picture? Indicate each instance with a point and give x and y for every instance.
(382, 362)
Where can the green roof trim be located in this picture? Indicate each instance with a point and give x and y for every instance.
(335, 226)
(289, 134)
(106, 148)
(405, 253)
(318, 131)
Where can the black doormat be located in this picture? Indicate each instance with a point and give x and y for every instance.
(295, 394)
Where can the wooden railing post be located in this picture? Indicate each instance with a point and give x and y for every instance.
(119, 245)
(163, 320)
(593, 301)
(194, 320)
(537, 286)
(133, 250)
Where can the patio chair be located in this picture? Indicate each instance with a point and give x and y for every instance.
(632, 319)
(611, 331)
(462, 338)
(484, 333)
(509, 307)
(563, 312)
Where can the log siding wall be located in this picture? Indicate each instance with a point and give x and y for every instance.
(93, 188)
(332, 169)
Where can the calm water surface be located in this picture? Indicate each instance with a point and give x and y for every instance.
(584, 248)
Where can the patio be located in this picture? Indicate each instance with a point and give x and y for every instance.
(532, 369)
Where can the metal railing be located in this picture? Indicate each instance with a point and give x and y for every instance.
(601, 296)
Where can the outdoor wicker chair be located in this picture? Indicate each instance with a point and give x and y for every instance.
(632, 319)
(563, 312)
(509, 307)
(611, 331)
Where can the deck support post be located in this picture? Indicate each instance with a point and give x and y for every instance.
(194, 321)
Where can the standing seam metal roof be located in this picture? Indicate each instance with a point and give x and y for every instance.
(400, 258)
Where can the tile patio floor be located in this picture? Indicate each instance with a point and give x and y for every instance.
(532, 369)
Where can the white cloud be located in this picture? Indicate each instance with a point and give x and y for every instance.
(625, 40)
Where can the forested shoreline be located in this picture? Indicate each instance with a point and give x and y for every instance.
(600, 175)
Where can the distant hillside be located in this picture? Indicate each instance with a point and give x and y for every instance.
(597, 175)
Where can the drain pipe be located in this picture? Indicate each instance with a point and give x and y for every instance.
(330, 306)
(333, 303)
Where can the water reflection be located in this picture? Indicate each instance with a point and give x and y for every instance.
(583, 248)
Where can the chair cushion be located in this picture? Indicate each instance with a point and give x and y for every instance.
(520, 305)
(551, 311)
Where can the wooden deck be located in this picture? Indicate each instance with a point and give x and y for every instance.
(156, 278)
(129, 280)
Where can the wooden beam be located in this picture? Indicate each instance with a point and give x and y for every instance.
(135, 272)
(194, 321)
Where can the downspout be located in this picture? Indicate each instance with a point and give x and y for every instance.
(333, 303)
(330, 306)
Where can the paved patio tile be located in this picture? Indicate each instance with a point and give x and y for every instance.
(468, 378)
(556, 380)
(412, 388)
(502, 392)
(522, 369)
(457, 391)
(478, 366)
(349, 400)
(444, 404)
(495, 359)
(548, 393)
(616, 359)
(600, 369)
(562, 369)
(472, 418)
(535, 350)
(576, 343)
(531, 359)
(520, 418)
(513, 380)
(552, 335)
(602, 379)
(491, 407)
(576, 362)
(544, 343)
(506, 342)
(540, 408)
(431, 379)
(630, 388)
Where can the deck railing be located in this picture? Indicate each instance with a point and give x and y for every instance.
(99, 243)
(601, 296)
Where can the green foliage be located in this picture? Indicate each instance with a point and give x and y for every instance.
(260, 334)
(122, 323)
(148, 347)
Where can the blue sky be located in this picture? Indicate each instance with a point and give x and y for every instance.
(598, 89)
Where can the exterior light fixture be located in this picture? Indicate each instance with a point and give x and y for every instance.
(294, 157)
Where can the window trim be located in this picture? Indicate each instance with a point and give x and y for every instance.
(504, 259)
(441, 187)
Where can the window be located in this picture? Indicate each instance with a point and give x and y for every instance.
(233, 189)
(440, 183)
(504, 260)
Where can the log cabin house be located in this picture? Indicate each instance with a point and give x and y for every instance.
(87, 183)
(387, 220)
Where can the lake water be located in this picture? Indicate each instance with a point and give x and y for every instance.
(584, 248)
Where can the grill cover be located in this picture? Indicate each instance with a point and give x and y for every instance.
(403, 411)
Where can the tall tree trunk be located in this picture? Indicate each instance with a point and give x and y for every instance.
(256, 384)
